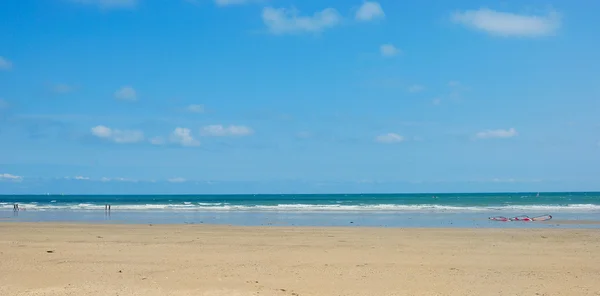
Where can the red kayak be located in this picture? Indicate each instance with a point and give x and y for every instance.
(521, 218)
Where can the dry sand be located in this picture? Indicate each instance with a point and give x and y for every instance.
(85, 259)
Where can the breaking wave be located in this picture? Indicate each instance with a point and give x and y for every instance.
(221, 207)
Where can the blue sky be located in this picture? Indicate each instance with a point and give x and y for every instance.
(289, 96)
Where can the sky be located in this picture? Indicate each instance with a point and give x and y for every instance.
(290, 96)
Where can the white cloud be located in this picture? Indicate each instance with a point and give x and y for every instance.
(282, 21)
(77, 178)
(108, 4)
(436, 101)
(5, 64)
(218, 130)
(183, 137)
(416, 88)
(11, 178)
(195, 108)
(177, 180)
(127, 136)
(157, 141)
(389, 138)
(106, 179)
(388, 50)
(124, 180)
(509, 24)
(498, 133)
(116, 135)
(370, 10)
(62, 88)
(101, 131)
(126, 93)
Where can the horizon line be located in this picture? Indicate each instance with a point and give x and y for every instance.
(249, 194)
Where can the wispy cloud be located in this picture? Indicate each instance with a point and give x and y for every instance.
(389, 138)
(5, 64)
(116, 135)
(109, 4)
(415, 88)
(157, 141)
(177, 180)
(218, 130)
(456, 89)
(497, 133)
(79, 178)
(10, 178)
(389, 50)
(369, 11)
(231, 2)
(288, 21)
(103, 179)
(508, 24)
(106, 179)
(126, 93)
(195, 108)
(183, 136)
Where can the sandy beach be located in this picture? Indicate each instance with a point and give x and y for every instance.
(88, 259)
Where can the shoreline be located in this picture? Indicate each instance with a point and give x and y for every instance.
(10, 220)
(267, 228)
(101, 259)
(303, 219)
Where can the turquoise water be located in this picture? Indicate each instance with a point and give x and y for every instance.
(584, 201)
(454, 209)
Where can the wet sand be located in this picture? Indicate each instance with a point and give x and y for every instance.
(94, 259)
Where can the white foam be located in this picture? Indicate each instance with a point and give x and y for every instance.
(220, 207)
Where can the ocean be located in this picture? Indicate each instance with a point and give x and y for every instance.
(383, 210)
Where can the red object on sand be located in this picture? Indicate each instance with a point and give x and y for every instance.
(521, 218)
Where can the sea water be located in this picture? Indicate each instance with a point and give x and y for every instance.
(381, 210)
